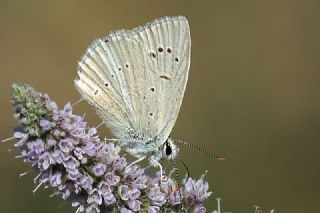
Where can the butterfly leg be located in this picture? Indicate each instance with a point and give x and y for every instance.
(136, 161)
(160, 167)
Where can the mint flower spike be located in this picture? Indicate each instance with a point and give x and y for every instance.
(70, 157)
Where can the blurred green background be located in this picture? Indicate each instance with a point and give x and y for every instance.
(252, 97)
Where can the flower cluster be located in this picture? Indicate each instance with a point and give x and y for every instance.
(69, 156)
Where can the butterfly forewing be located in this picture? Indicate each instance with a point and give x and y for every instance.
(167, 44)
(136, 79)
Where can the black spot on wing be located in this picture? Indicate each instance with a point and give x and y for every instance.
(165, 77)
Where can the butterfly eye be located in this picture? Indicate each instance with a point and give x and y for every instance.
(168, 149)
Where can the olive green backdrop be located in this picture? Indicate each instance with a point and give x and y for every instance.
(252, 96)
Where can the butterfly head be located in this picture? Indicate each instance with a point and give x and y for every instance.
(170, 150)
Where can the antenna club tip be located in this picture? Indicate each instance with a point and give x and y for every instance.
(221, 158)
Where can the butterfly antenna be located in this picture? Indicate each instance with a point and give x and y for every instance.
(202, 150)
(176, 172)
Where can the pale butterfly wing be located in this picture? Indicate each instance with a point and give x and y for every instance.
(167, 43)
(136, 79)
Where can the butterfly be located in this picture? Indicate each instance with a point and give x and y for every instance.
(135, 80)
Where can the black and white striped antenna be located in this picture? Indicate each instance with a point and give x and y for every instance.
(201, 150)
